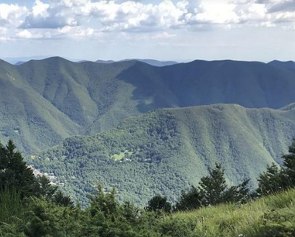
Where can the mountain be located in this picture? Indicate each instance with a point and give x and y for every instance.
(157, 63)
(26, 116)
(165, 151)
(151, 62)
(288, 65)
(44, 101)
(104, 61)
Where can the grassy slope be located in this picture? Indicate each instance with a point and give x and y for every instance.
(268, 216)
(167, 150)
(86, 97)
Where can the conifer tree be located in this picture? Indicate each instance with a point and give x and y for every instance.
(270, 181)
(14, 173)
(213, 186)
(289, 166)
(189, 200)
(275, 178)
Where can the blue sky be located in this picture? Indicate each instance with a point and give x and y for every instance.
(181, 30)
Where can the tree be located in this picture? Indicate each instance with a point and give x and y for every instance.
(104, 203)
(239, 193)
(213, 190)
(14, 173)
(213, 186)
(270, 181)
(289, 166)
(44, 187)
(62, 200)
(158, 203)
(275, 178)
(189, 200)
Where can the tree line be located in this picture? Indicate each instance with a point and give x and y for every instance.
(213, 190)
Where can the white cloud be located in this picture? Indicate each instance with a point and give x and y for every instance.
(40, 9)
(77, 32)
(12, 14)
(90, 18)
(25, 34)
(45, 15)
(217, 13)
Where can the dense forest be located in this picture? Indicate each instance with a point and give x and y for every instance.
(168, 150)
(32, 206)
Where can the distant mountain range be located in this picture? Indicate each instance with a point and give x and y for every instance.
(44, 101)
(151, 62)
(166, 151)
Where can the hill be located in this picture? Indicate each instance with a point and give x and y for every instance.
(44, 101)
(165, 151)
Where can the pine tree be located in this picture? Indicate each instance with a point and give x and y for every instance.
(289, 166)
(189, 200)
(270, 181)
(213, 186)
(237, 194)
(275, 178)
(14, 173)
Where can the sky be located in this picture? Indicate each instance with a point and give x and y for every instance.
(179, 30)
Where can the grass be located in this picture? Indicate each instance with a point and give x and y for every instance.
(268, 216)
(122, 155)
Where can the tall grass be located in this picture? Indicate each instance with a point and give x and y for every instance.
(268, 216)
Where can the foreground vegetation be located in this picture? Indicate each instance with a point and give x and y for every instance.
(269, 216)
(273, 215)
(31, 206)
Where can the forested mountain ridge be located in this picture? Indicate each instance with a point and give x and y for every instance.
(45, 101)
(166, 151)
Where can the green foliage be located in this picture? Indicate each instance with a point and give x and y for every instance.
(213, 186)
(289, 166)
(213, 190)
(168, 150)
(10, 204)
(55, 98)
(44, 187)
(276, 179)
(103, 203)
(268, 216)
(238, 194)
(158, 204)
(14, 173)
(270, 181)
(50, 213)
(171, 227)
(278, 223)
(61, 199)
(16, 176)
(189, 200)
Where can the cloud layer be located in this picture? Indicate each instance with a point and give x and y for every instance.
(53, 19)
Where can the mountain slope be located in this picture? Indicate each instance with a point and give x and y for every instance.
(167, 150)
(88, 97)
(28, 118)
